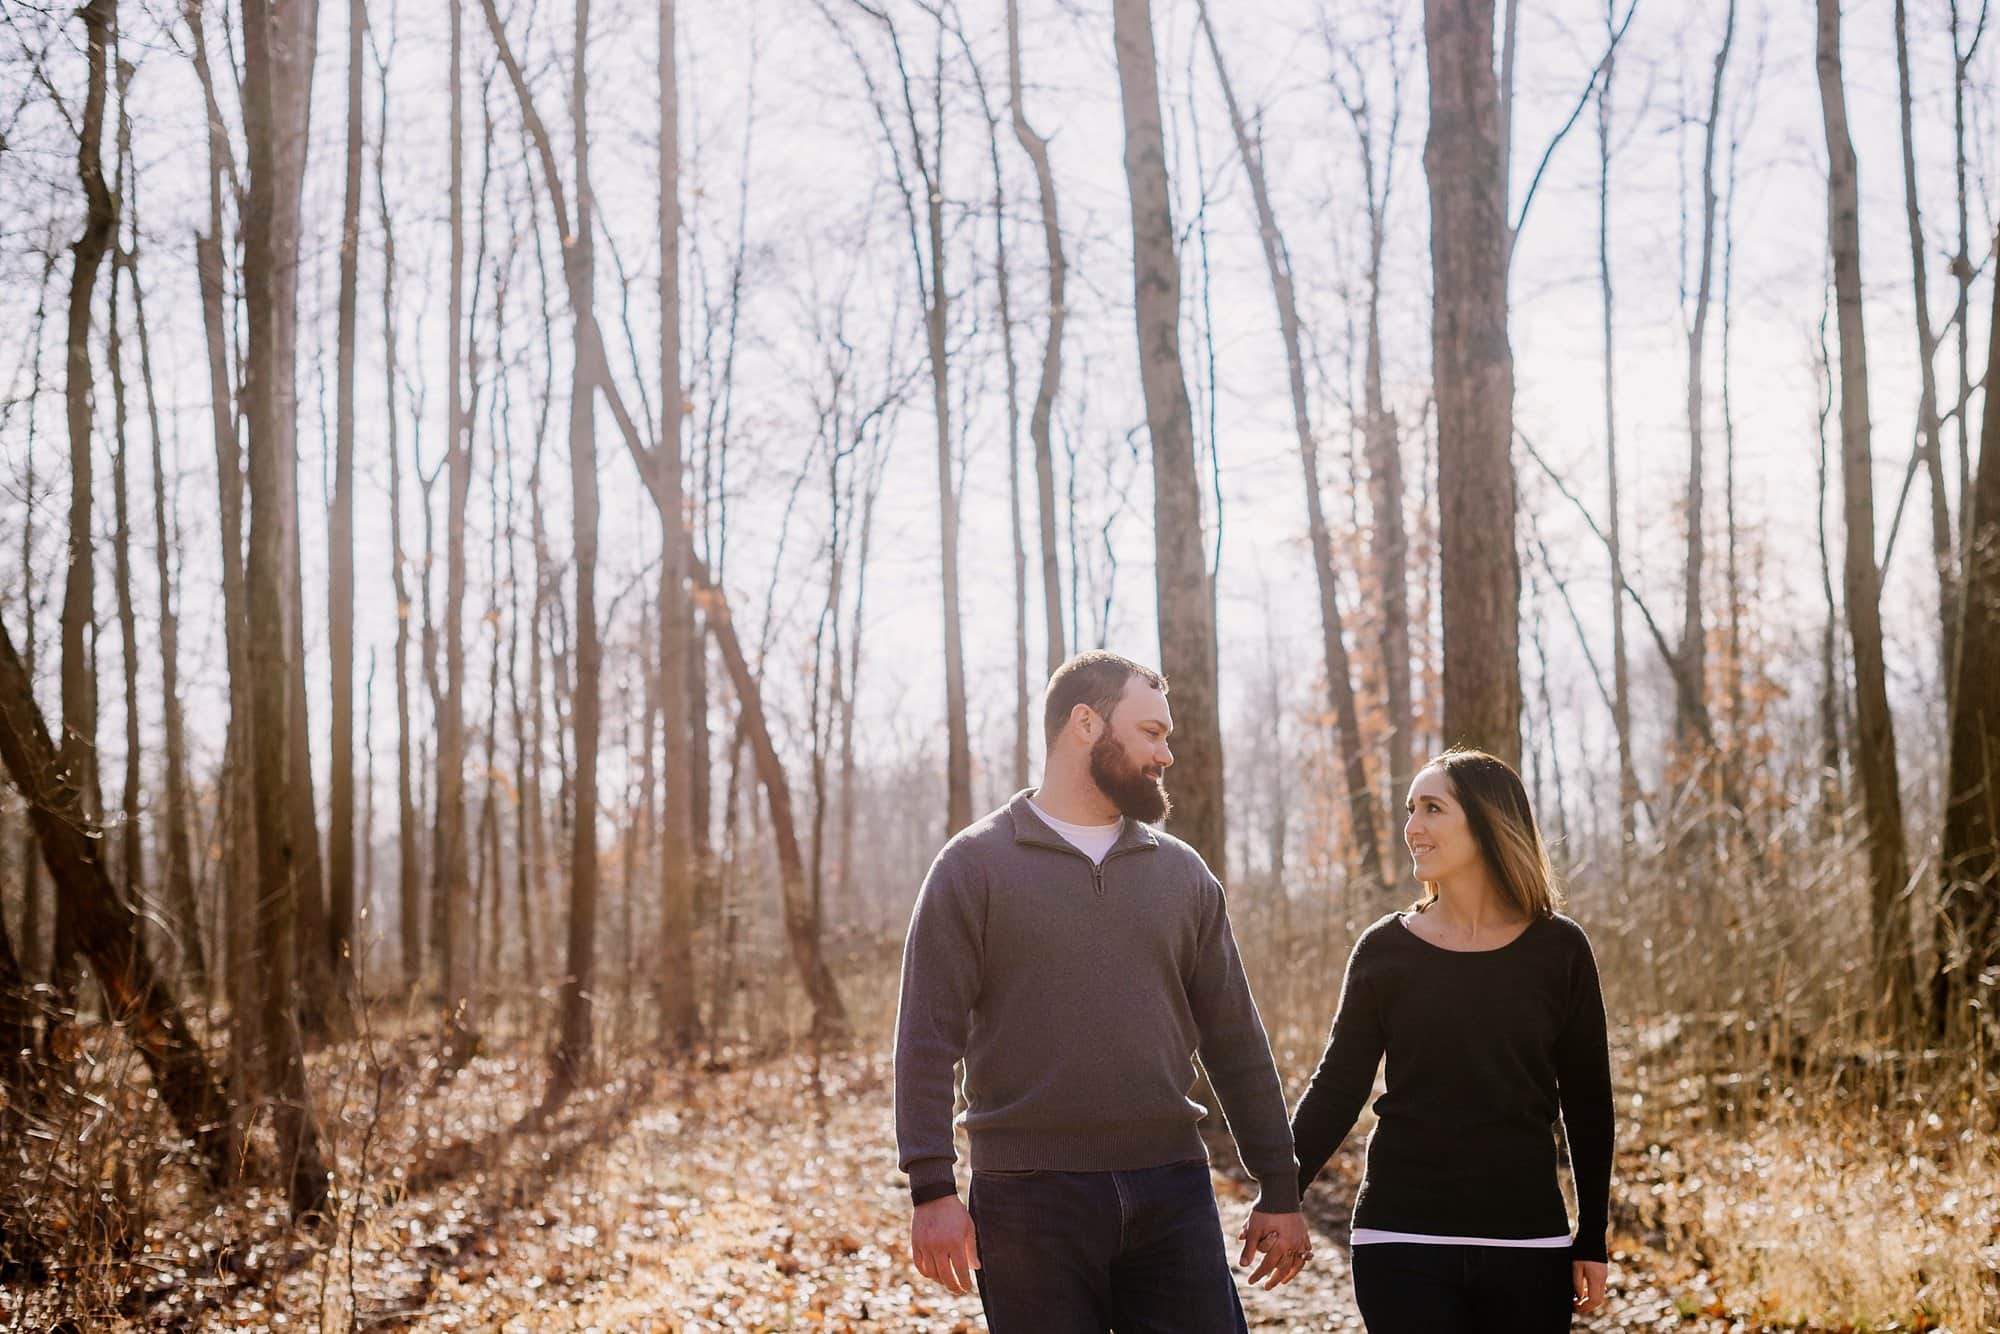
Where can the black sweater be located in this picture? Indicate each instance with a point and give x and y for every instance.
(1485, 1048)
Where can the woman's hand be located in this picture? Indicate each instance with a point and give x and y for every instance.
(1587, 1277)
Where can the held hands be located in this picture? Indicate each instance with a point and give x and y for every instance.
(943, 1245)
(1279, 1242)
(1587, 1277)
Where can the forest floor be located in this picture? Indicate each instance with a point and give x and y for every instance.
(750, 1196)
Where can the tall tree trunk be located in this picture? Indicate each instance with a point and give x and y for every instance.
(1968, 931)
(680, 1011)
(106, 929)
(452, 884)
(340, 538)
(1037, 149)
(1473, 370)
(100, 223)
(1186, 607)
(239, 836)
(1384, 452)
(928, 256)
(1929, 421)
(177, 805)
(589, 372)
(1621, 677)
(1339, 676)
(131, 858)
(274, 34)
(1020, 552)
(801, 926)
(1875, 741)
(79, 677)
(1691, 722)
(409, 878)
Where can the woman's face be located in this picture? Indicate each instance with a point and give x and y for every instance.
(1440, 839)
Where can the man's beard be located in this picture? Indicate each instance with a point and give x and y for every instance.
(1137, 795)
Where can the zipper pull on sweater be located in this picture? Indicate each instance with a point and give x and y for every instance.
(1097, 875)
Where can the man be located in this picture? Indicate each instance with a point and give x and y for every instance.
(1077, 960)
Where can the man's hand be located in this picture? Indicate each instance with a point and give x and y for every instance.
(942, 1243)
(1587, 1277)
(1279, 1242)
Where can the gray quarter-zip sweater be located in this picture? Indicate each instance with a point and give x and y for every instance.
(1078, 996)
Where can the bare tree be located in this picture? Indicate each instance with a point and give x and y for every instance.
(451, 883)
(277, 52)
(1339, 676)
(1473, 369)
(340, 536)
(590, 373)
(1875, 742)
(1039, 418)
(106, 930)
(1969, 915)
(1185, 600)
(1621, 677)
(663, 470)
(1929, 423)
(1690, 669)
(927, 253)
(1380, 433)
(239, 851)
(177, 805)
(131, 859)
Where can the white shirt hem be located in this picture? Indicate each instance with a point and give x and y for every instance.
(1364, 1236)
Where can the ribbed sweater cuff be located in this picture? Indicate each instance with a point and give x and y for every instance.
(932, 1179)
(1279, 1195)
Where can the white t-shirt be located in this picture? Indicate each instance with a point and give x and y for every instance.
(1092, 840)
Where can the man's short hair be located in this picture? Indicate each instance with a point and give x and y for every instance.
(1095, 678)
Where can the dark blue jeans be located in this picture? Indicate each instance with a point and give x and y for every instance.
(1084, 1252)
(1407, 1287)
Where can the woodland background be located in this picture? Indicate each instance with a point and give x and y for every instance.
(524, 526)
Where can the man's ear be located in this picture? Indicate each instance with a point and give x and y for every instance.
(1081, 716)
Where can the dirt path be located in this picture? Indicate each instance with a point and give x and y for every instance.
(737, 1202)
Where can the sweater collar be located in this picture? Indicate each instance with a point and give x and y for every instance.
(1030, 828)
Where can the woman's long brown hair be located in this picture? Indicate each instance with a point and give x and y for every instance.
(1503, 824)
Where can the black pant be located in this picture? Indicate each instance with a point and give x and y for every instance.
(1408, 1287)
(1081, 1252)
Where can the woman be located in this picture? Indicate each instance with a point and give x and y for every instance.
(1485, 1000)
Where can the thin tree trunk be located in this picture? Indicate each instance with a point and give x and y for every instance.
(340, 538)
(1185, 604)
(106, 929)
(79, 689)
(239, 828)
(1621, 679)
(1928, 413)
(409, 878)
(1968, 931)
(1020, 553)
(131, 858)
(801, 929)
(1037, 149)
(929, 258)
(451, 883)
(1384, 452)
(1473, 370)
(589, 371)
(1691, 722)
(1875, 742)
(680, 1010)
(178, 805)
(277, 47)
(1339, 675)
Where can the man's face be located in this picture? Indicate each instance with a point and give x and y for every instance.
(1130, 756)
